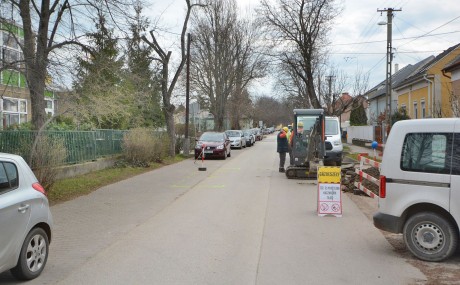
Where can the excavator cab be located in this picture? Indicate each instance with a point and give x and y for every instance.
(308, 143)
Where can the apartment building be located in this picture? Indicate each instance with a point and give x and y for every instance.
(15, 105)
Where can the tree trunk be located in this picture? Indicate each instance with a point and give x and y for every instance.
(168, 108)
(169, 118)
(311, 91)
(37, 91)
(36, 59)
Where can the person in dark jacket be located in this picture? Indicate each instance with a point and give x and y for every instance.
(282, 147)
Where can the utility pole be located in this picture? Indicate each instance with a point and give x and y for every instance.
(329, 101)
(388, 65)
(187, 99)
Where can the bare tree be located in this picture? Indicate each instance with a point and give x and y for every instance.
(167, 86)
(47, 27)
(273, 111)
(224, 57)
(240, 106)
(299, 29)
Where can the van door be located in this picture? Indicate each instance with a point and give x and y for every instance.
(425, 177)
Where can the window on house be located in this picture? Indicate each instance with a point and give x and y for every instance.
(14, 111)
(9, 40)
(13, 78)
(422, 106)
(10, 105)
(11, 56)
(415, 111)
(49, 104)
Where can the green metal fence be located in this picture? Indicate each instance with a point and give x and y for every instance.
(81, 145)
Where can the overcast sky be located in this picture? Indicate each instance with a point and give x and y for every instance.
(421, 29)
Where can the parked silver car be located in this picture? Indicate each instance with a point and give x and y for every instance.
(25, 219)
(250, 137)
(237, 138)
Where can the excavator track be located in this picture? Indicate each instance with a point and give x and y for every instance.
(300, 172)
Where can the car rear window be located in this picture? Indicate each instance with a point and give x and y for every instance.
(8, 176)
(233, 134)
(215, 137)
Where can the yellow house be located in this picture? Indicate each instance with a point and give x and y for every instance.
(427, 92)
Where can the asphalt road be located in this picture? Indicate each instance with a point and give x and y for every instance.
(239, 222)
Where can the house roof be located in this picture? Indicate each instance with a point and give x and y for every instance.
(397, 78)
(422, 71)
(453, 65)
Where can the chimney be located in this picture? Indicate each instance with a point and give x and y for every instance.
(396, 67)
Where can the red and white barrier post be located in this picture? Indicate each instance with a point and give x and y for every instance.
(363, 160)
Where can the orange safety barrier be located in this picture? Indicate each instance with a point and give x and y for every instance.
(364, 160)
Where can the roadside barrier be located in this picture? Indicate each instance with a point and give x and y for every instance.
(364, 160)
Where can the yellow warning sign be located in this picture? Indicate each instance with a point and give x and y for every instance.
(328, 174)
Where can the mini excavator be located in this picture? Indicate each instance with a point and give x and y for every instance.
(308, 143)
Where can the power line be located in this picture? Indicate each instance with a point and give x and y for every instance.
(400, 39)
(431, 31)
(371, 53)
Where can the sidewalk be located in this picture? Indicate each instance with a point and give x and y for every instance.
(359, 149)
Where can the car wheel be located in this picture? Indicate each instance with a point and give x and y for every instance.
(430, 237)
(33, 255)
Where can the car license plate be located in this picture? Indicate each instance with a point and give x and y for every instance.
(209, 151)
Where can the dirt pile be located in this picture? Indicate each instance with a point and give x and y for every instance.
(349, 177)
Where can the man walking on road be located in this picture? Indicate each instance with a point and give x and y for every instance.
(282, 148)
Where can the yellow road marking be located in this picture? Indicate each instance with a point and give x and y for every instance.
(212, 186)
(179, 186)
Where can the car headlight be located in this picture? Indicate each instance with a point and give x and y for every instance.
(220, 147)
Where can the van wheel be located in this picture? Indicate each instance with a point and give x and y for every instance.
(430, 237)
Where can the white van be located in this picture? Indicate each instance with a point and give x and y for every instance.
(334, 147)
(420, 186)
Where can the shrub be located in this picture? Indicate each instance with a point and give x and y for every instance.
(142, 147)
(399, 115)
(46, 154)
(358, 116)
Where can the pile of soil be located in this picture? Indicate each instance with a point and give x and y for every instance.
(349, 177)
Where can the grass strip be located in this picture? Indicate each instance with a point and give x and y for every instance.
(70, 188)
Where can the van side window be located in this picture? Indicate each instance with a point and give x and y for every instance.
(8, 176)
(456, 156)
(427, 152)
